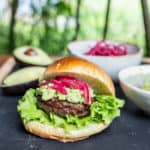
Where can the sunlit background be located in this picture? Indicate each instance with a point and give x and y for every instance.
(51, 24)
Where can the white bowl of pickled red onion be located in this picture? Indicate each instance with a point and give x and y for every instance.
(109, 55)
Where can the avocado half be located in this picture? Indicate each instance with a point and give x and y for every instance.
(27, 56)
(19, 81)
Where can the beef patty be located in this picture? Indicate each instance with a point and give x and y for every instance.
(63, 108)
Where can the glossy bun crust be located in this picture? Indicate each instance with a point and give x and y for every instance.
(84, 70)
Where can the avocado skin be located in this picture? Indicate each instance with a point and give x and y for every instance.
(20, 88)
(23, 64)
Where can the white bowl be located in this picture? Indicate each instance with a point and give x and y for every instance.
(111, 64)
(131, 79)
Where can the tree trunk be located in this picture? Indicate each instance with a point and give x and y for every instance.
(146, 22)
(77, 18)
(64, 35)
(106, 19)
(11, 35)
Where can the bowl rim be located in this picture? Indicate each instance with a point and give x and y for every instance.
(140, 90)
(138, 51)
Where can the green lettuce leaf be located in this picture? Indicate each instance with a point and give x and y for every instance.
(104, 109)
(28, 109)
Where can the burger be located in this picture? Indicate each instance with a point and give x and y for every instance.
(74, 100)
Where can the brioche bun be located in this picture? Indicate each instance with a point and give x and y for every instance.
(84, 70)
(88, 72)
(51, 132)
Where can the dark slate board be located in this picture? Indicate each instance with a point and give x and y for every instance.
(129, 132)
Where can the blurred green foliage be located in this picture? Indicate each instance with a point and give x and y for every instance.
(43, 30)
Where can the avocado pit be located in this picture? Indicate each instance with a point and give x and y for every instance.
(30, 52)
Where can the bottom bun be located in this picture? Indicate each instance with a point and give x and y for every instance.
(51, 132)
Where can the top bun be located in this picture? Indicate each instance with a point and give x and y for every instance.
(83, 70)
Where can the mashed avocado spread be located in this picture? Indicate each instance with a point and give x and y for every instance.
(73, 95)
(146, 85)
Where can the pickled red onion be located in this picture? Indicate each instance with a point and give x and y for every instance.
(104, 48)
